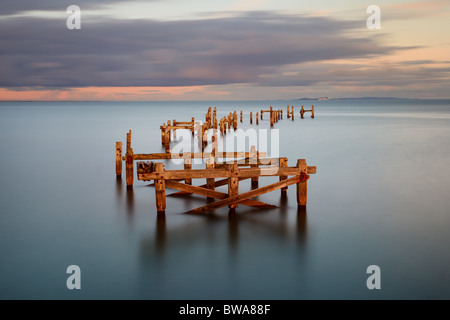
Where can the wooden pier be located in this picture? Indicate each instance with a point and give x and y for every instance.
(221, 168)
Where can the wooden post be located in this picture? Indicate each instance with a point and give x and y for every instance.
(160, 190)
(193, 125)
(163, 133)
(251, 117)
(261, 114)
(129, 168)
(169, 124)
(312, 110)
(288, 112)
(283, 163)
(253, 157)
(302, 112)
(210, 182)
(281, 113)
(187, 165)
(241, 115)
(302, 188)
(292, 113)
(233, 184)
(221, 126)
(128, 140)
(119, 159)
(271, 117)
(257, 118)
(215, 142)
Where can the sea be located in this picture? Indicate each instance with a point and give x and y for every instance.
(380, 197)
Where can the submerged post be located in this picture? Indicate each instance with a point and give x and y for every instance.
(251, 117)
(129, 168)
(210, 182)
(312, 111)
(253, 157)
(160, 190)
(119, 159)
(233, 184)
(283, 164)
(187, 165)
(302, 188)
(257, 118)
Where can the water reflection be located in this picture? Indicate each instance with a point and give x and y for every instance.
(130, 202)
(301, 226)
(119, 191)
(233, 231)
(160, 239)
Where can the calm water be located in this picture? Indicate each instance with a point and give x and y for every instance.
(380, 196)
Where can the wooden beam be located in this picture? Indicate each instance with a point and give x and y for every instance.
(217, 183)
(219, 173)
(213, 194)
(245, 196)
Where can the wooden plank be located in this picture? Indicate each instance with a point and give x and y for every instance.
(219, 173)
(245, 196)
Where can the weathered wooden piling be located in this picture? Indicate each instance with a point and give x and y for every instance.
(271, 117)
(119, 159)
(288, 112)
(257, 118)
(163, 133)
(129, 168)
(210, 182)
(160, 190)
(302, 187)
(283, 164)
(253, 159)
(292, 113)
(233, 184)
(241, 115)
(187, 165)
(251, 117)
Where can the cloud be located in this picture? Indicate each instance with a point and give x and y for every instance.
(238, 49)
(11, 7)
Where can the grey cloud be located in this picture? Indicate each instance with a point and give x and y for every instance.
(9, 7)
(43, 52)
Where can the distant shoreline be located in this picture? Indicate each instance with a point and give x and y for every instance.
(300, 99)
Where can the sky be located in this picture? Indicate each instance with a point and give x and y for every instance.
(223, 50)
